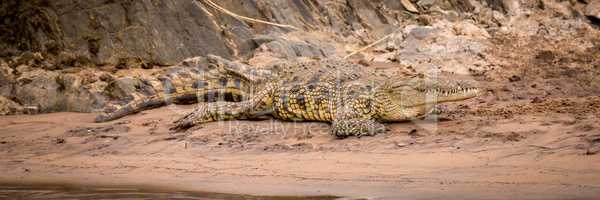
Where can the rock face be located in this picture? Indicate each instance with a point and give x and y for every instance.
(104, 31)
(165, 32)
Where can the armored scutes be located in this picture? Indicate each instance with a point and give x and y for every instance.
(355, 100)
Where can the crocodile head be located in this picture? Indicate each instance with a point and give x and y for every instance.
(416, 96)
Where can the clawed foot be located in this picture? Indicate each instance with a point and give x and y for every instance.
(357, 127)
(183, 123)
(204, 113)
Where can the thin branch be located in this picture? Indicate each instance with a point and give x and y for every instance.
(242, 18)
(370, 45)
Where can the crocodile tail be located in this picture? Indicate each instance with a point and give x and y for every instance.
(221, 89)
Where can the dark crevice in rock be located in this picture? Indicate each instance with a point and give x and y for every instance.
(594, 21)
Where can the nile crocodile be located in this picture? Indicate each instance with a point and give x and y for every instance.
(348, 96)
(356, 100)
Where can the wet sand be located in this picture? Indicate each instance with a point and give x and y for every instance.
(54, 191)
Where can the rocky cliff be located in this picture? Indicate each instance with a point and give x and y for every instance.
(165, 32)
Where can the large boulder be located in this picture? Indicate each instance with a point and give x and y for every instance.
(444, 46)
(50, 91)
(290, 46)
(39, 90)
(592, 11)
(79, 94)
(9, 107)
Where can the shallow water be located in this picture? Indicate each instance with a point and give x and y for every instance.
(49, 192)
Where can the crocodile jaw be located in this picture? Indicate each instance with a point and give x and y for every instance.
(436, 96)
(417, 104)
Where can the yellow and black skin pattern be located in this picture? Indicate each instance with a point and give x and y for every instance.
(353, 108)
(350, 108)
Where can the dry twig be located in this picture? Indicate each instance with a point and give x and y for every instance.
(242, 18)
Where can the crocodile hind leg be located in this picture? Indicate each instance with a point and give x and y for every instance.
(220, 111)
(343, 128)
(215, 111)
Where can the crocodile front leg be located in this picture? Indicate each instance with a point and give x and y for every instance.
(343, 128)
